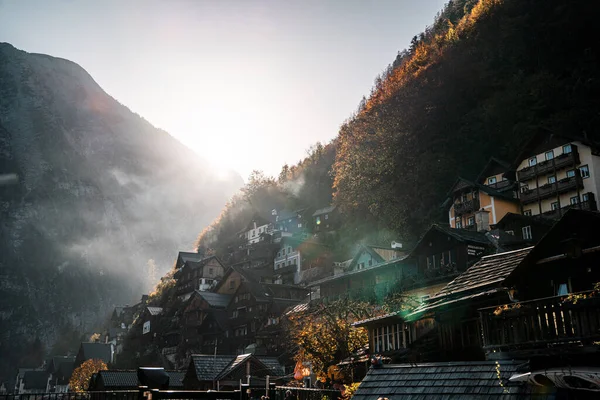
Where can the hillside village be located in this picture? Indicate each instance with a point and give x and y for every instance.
(510, 275)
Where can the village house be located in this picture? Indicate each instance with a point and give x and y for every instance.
(476, 205)
(198, 275)
(224, 372)
(527, 230)
(197, 308)
(372, 274)
(556, 173)
(31, 381)
(59, 371)
(301, 260)
(325, 219)
(290, 222)
(96, 351)
(253, 233)
(149, 317)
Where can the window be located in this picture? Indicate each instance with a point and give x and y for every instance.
(585, 197)
(370, 262)
(526, 232)
(283, 252)
(511, 232)
(318, 221)
(290, 250)
(299, 225)
(570, 173)
(211, 271)
(471, 221)
(458, 224)
(527, 213)
(584, 171)
(491, 180)
(253, 233)
(554, 206)
(326, 216)
(532, 161)
(361, 265)
(567, 148)
(231, 284)
(562, 290)
(574, 200)
(550, 155)
(552, 179)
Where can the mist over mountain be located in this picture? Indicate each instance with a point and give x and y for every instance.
(104, 201)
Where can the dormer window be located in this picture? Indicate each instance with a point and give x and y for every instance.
(491, 180)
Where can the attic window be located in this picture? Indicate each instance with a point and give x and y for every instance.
(491, 180)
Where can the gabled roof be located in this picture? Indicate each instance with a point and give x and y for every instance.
(237, 361)
(462, 182)
(358, 271)
(216, 300)
(272, 364)
(186, 256)
(533, 219)
(35, 380)
(324, 210)
(154, 310)
(365, 249)
(101, 351)
(493, 162)
(207, 367)
(462, 235)
(445, 380)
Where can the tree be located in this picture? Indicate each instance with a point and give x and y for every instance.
(80, 379)
(323, 334)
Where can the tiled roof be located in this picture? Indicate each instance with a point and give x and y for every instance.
(487, 271)
(451, 380)
(154, 310)
(233, 365)
(128, 379)
(324, 210)
(393, 315)
(464, 235)
(216, 300)
(101, 351)
(208, 367)
(273, 364)
(35, 380)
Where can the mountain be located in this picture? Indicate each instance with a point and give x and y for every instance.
(103, 203)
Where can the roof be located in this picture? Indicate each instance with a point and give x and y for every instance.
(485, 171)
(368, 249)
(101, 351)
(389, 316)
(208, 367)
(233, 365)
(154, 310)
(447, 380)
(487, 271)
(35, 380)
(129, 379)
(324, 210)
(535, 219)
(216, 300)
(273, 364)
(188, 256)
(356, 272)
(462, 235)
(484, 188)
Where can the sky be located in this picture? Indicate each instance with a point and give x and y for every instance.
(247, 84)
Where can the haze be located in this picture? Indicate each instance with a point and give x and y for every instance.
(246, 84)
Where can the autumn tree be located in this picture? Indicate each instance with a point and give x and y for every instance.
(323, 334)
(80, 379)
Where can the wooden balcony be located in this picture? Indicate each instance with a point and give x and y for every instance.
(542, 326)
(466, 207)
(589, 205)
(502, 186)
(551, 189)
(546, 167)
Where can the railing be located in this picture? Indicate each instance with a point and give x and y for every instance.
(501, 185)
(545, 167)
(551, 189)
(542, 323)
(589, 205)
(466, 207)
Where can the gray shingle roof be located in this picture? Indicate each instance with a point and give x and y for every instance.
(128, 379)
(187, 256)
(233, 365)
(154, 310)
(35, 380)
(216, 300)
(452, 380)
(273, 364)
(101, 351)
(208, 367)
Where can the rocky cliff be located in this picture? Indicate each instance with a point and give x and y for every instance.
(103, 203)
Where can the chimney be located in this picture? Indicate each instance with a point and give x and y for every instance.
(482, 220)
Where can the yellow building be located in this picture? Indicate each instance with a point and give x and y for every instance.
(477, 204)
(556, 173)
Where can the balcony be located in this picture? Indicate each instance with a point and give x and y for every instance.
(542, 325)
(588, 205)
(502, 186)
(551, 189)
(466, 207)
(564, 160)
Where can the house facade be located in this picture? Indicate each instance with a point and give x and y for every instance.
(253, 233)
(325, 219)
(476, 205)
(557, 173)
(198, 275)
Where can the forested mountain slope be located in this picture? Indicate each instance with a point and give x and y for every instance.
(103, 204)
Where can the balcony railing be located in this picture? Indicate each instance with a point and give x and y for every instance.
(502, 185)
(551, 189)
(542, 323)
(564, 160)
(465, 207)
(589, 205)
